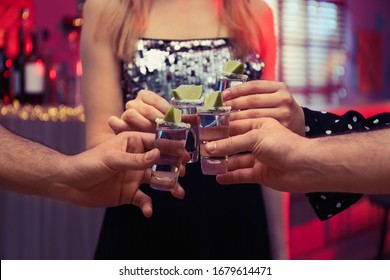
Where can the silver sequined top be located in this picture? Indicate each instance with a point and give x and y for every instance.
(162, 65)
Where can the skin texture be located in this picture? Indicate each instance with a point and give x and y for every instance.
(280, 159)
(107, 175)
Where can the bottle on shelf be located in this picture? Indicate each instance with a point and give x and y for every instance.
(34, 75)
(5, 64)
(17, 70)
(46, 52)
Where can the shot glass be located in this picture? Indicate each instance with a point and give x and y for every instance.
(188, 109)
(170, 140)
(226, 80)
(213, 125)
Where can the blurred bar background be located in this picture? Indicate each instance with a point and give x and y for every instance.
(332, 54)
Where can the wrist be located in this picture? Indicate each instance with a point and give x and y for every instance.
(58, 181)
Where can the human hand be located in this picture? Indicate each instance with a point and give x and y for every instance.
(272, 159)
(258, 99)
(141, 113)
(110, 173)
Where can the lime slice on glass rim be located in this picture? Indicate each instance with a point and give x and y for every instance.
(233, 66)
(187, 92)
(173, 115)
(213, 99)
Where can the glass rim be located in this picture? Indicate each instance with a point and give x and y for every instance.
(172, 124)
(184, 103)
(233, 76)
(205, 109)
(187, 101)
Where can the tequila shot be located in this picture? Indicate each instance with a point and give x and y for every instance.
(188, 109)
(170, 140)
(226, 80)
(213, 125)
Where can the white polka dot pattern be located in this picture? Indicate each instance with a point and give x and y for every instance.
(326, 205)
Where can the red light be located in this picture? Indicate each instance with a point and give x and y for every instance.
(73, 36)
(29, 46)
(52, 74)
(6, 74)
(7, 100)
(8, 63)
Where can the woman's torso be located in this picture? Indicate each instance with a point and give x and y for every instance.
(213, 221)
(162, 65)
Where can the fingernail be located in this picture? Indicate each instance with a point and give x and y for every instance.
(149, 155)
(211, 147)
(226, 94)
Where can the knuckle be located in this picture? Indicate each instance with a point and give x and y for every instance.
(285, 114)
(252, 85)
(282, 86)
(129, 104)
(142, 93)
(286, 98)
(252, 101)
(128, 115)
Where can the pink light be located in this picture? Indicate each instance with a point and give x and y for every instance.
(366, 110)
(79, 69)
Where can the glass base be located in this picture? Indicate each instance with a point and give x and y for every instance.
(163, 181)
(214, 166)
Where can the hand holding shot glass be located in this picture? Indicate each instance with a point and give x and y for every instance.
(171, 137)
(214, 120)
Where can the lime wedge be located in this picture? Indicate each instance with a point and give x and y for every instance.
(213, 99)
(187, 92)
(233, 66)
(173, 115)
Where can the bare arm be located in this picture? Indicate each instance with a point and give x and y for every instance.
(102, 96)
(356, 162)
(29, 167)
(106, 175)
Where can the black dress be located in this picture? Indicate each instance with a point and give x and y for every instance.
(213, 221)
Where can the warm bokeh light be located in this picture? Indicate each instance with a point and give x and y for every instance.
(43, 113)
(78, 22)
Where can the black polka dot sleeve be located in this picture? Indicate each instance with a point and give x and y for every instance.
(317, 124)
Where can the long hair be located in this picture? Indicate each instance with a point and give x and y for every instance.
(129, 18)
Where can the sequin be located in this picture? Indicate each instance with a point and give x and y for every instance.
(162, 65)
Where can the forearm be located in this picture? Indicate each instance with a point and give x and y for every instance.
(357, 162)
(29, 167)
